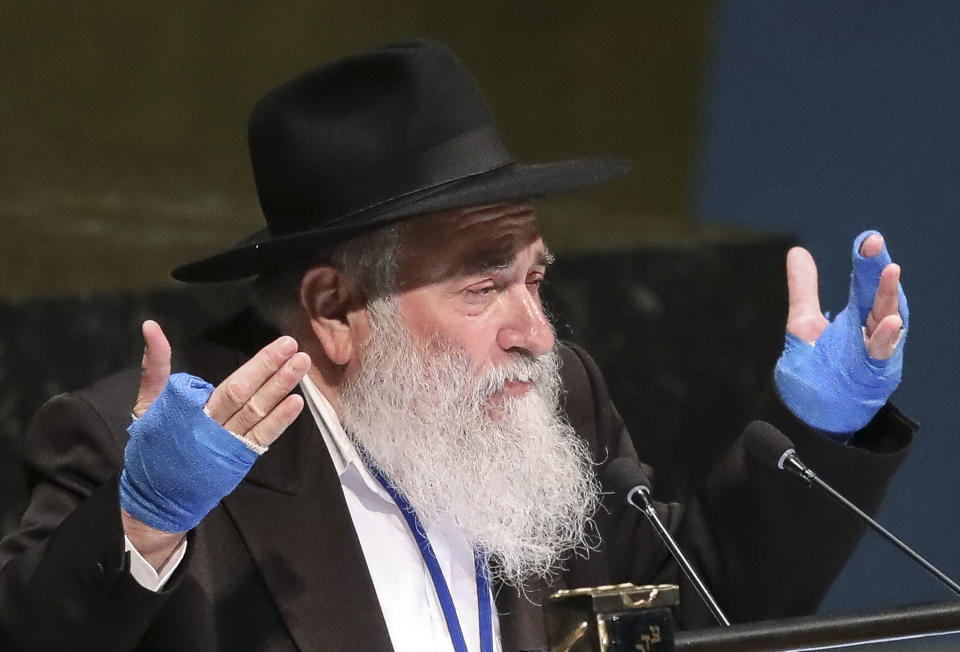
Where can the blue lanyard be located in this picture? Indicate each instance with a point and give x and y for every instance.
(439, 583)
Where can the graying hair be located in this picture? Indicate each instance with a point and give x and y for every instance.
(369, 260)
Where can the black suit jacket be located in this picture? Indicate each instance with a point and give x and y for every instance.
(277, 566)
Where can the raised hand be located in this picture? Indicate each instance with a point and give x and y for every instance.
(835, 376)
(883, 321)
(192, 444)
(253, 402)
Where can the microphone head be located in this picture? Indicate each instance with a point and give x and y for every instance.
(767, 444)
(623, 475)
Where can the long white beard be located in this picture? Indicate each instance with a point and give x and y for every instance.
(511, 473)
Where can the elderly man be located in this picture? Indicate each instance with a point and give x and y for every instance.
(413, 463)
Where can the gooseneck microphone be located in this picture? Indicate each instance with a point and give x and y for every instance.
(770, 446)
(626, 479)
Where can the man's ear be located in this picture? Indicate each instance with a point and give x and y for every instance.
(328, 298)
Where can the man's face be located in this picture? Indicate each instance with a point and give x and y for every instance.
(472, 278)
(456, 394)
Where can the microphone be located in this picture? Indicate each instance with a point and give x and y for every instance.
(768, 445)
(626, 479)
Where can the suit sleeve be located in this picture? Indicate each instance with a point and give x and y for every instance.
(766, 545)
(63, 574)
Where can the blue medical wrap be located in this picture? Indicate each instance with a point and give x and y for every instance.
(179, 463)
(834, 385)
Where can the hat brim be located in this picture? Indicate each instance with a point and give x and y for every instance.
(512, 182)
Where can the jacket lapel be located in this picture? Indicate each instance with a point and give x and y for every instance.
(293, 518)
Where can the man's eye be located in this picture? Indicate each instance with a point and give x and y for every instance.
(482, 291)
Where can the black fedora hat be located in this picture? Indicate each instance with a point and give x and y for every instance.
(373, 139)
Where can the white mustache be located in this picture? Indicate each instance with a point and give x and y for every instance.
(522, 368)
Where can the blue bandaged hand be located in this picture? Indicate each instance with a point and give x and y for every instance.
(179, 463)
(836, 376)
(183, 457)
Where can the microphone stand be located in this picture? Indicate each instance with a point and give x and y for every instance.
(647, 508)
(792, 463)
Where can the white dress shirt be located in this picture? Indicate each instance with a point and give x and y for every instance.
(401, 579)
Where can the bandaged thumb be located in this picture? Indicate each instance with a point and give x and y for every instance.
(179, 463)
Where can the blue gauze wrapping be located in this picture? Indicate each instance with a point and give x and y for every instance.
(834, 385)
(179, 463)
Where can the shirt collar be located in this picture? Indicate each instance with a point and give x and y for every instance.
(346, 458)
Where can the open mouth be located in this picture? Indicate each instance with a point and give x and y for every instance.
(513, 388)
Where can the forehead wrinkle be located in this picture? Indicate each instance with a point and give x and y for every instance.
(494, 212)
(515, 217)
(467, 241)
(501, 258)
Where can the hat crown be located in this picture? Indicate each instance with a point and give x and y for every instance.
(367, 130)
(373, 139)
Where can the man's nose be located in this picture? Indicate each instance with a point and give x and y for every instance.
(525, 326)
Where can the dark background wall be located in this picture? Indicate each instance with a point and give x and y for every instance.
(828, 118)
(123, 145)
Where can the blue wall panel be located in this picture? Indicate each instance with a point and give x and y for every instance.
(826, 118)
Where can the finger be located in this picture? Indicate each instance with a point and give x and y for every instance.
(804, 318)
(271, 393)
(870, 258)
(279, 419)
(243, 383)
(887, 299)
(154, 367)
(872, 245)
(883, 342)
